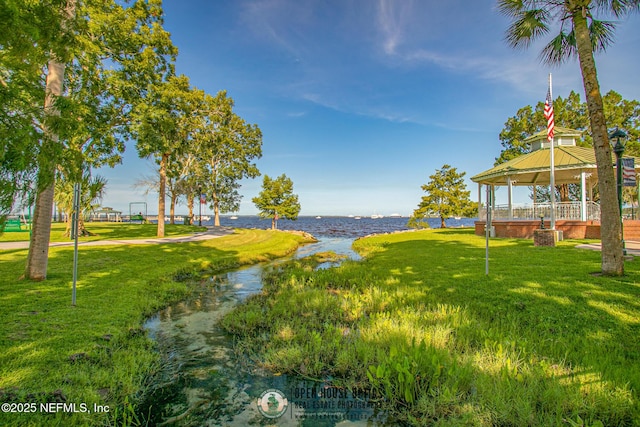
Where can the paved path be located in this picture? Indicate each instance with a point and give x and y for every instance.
(211, 233)
(633, 248)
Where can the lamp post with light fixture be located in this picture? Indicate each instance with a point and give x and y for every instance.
(618, 149)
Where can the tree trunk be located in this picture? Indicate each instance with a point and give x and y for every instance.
(190, 206)
(172, 209)
(161, 194)
(82, 230)
(442, 223)
(610, 225)
(216, 211)
(38, 257)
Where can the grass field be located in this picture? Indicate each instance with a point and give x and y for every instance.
(96, 352)
(540, 341)
(107, 231)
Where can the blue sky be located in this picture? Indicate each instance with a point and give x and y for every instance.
(359, 101)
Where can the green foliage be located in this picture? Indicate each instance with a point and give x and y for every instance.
(417, 223)
(227, 146)
(419, 323)
(276, 200)
(532, 20)
(30, 32)
(94, 60)
(570, 113)
(447, 196)
(91, 191)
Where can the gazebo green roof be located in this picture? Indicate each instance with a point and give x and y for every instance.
(533, 168)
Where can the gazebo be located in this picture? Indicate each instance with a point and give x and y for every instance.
(572, 165)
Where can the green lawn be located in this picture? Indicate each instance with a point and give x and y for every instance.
(96, 352)
(541, 341)
(107, 231)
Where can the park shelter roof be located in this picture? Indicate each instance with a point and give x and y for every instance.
(533, 168)
(106, 210)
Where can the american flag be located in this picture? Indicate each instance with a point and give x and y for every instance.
(628, 172)
(548, 114)
(203, 199)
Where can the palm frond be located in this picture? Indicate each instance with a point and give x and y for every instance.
(602, 34)
(617, 8)
(511, 7)
(559, 49)
(529, 25)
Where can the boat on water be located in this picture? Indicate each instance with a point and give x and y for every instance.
(376, 216)
(233, 217)
(318, 217)
(357, 217)
(395, 215)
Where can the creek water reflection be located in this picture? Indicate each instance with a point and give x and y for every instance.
(202, 382)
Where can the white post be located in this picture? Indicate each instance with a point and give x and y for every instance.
(583, 196)
(74, 230)
(510, 196)
(487, 232)
(552, 180)
(479, 201)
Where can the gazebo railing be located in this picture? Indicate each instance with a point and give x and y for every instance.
(564, 210)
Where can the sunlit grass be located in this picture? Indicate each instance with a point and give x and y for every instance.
(108, 231)
(539, 341)
(96, 351)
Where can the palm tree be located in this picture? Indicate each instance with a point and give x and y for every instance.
(580, 35)
(91, 192)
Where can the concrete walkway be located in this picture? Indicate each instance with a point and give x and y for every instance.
(633, 248)
(211, 233)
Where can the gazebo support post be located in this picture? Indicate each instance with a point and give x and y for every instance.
(510, 196)
(479, 197)
(493, 198)
(583, 196)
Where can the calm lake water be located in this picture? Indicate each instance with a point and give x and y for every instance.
(337, 226)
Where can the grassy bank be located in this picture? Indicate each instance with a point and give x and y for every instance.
(541, 341)
(96, 352)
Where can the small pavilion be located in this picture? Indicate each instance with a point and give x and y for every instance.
(572, 165)
(107, 214)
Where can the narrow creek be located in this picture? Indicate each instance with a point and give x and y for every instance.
(204, 383)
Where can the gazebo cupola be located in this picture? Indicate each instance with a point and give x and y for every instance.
(563, 138)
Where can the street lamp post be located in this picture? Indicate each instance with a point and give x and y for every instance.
(618, 149)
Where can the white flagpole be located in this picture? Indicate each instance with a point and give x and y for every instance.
(487, 231)
(552, 180)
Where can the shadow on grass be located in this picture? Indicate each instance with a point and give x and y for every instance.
(547, 293)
